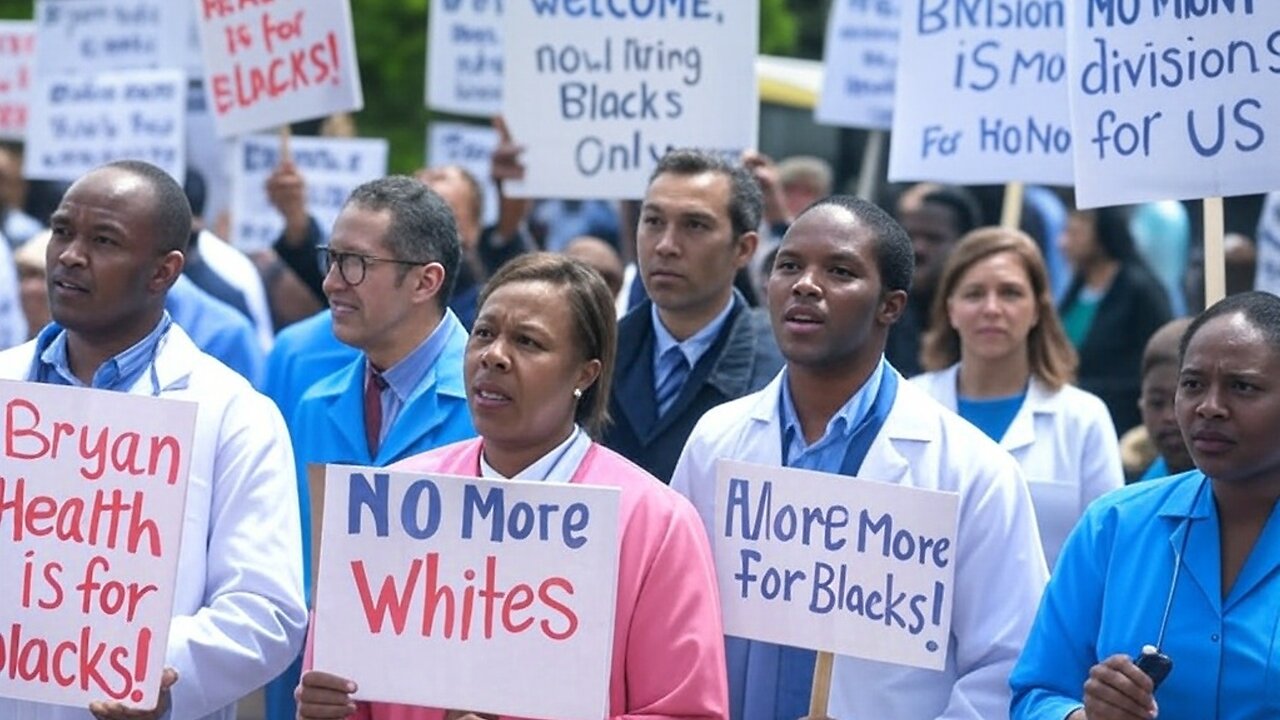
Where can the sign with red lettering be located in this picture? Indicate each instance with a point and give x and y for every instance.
(17, 48)
(93, 489)
(273, 62)
(504, 589)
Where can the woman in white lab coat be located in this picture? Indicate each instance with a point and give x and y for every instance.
(999, 358)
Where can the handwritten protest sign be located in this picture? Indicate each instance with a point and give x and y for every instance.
(92, 495)
(861, 60)
(830, 563)
(597, 94)
(79, 122)
(92, 36)
(333, 168)
(207, 154)
(469, 147)
(503, 589)
(464, 70)
(269, 64)
(1173, 100)
(17, 49)
(982, 93)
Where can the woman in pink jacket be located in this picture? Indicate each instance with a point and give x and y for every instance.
(538, 367)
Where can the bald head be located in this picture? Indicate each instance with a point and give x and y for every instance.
(599, 256)
(1163, 346)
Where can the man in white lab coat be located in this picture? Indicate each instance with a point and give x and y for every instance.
(839, 283)
(239, 615)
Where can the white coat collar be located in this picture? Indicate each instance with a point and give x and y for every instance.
(1022, 431)
(908, 421)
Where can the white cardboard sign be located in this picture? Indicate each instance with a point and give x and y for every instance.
(93, 36)
(597, 94)
(860, 64)
(93, 491)
(504, 589)
(831, 563)
(333, 167)
(982, 95)
(79, 122)
(17, 51)
(469, 147)
(464, 70)
(270, 64)
(1169, 104)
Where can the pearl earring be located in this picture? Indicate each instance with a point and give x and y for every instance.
(577, 393)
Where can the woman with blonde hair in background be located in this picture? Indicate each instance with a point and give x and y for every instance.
(998, 356)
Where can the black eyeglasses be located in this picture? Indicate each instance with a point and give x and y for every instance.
(353, 266)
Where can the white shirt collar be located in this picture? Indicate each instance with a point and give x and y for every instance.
(557, 466)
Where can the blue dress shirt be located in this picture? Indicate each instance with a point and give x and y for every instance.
(692, 347)
(118, 373)
(403, 377)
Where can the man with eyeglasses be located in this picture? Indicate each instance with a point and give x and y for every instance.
(391, 263)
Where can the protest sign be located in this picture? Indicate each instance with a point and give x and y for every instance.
(1172, 100)
(982, 93)
(469, 147)
(333, 168)
(503, 589)
(831, 563)
(597, 94)
(208, 154)
(92, 499)
(93, 36)
(464, 70)
(270, 64)
(859, 64)
(17, 49)
(79, 122)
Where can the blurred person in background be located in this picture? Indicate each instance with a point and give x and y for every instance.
(1112, 308)
(998, 356)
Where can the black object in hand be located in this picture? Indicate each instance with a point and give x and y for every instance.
(1155, 664)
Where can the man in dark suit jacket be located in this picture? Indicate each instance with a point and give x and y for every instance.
(694, 344)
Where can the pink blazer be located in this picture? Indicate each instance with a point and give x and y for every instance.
(668, 647)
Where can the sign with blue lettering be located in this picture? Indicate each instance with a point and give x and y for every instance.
(469, 147)
(1173, 99)
(860, 62)
(89, 36)
(598, 90)
(79, 122)
(464, 67)
(459, 573)
(831, 563)
(332, 167)
(982, 93)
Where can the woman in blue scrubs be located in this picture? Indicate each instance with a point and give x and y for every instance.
(1186, 567)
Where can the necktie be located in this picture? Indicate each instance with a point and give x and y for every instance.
(675, 369)
(373, 388)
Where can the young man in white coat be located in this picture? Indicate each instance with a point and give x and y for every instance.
(238, 615)
(839, 282)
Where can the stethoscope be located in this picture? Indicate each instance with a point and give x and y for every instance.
(1153, 661)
